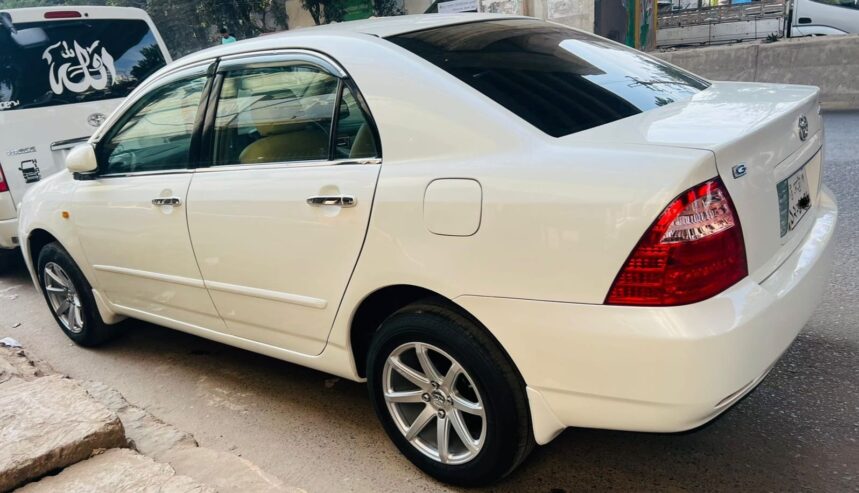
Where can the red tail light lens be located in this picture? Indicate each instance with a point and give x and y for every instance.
(692, 252)
(4, 187)
(62, 14)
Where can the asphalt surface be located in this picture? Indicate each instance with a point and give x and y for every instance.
(798, 431)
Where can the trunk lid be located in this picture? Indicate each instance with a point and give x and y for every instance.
(761, 153)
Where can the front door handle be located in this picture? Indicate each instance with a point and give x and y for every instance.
(338, 200)
(174, 201)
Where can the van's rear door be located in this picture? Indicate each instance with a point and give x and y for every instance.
(62, 71)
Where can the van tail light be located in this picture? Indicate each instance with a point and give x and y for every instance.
(4, 187)
(62, 14)
(693, 251)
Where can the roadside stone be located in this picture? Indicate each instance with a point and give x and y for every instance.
(146, 433)
(117, 471)
(225, 472)
(50, 423)
(16, 366)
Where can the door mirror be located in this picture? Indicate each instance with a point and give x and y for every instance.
(82, 159)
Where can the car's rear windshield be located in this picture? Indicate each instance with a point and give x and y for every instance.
(560, 80)
(71, 61)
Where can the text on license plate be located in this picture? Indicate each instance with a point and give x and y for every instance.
(794, 200)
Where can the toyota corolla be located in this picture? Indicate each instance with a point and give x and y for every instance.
(506, 226)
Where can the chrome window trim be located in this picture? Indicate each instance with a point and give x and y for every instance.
(237, 167)
(145, 173)
(280, 57)
(313, 163)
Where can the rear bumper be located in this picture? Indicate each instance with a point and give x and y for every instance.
(9, 234)
(658, 369)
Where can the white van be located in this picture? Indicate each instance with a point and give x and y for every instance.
(824, 17)
(62, 71)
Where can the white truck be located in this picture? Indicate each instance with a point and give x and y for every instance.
(62, 71)
(758, 19)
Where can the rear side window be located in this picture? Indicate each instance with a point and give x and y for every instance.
(560, 80)
(71, 61)
(276, 114)
(289, 113)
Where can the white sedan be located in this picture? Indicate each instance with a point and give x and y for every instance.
(507, 227)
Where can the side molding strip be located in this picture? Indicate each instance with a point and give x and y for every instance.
(295, 299)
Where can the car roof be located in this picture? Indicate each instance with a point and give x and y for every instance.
(379, 27)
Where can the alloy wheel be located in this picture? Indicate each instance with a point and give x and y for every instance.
(63, 298)
(434, 403)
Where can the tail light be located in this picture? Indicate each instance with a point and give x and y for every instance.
(62, 14)
(4, 187)
(692, 252)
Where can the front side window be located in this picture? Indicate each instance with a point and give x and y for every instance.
(850, 4)
(558, 79)
(155, 135)
(274, 114)
(52, 63)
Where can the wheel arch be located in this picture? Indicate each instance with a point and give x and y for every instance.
(376, 307)
(36, 240)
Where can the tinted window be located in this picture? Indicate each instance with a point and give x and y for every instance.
(156, 133)
(61, 62)
(850, 4)
(354, 135)
(560, 80)
(276, 114)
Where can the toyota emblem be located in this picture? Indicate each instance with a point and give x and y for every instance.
(96, 119)
(803, 127)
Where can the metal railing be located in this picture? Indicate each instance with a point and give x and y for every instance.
(760, 9)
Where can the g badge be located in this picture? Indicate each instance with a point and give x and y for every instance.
(739, 170)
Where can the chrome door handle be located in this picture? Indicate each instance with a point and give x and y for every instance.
(174, 201)
(338, 200)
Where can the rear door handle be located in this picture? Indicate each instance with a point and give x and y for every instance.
(338, 200)
(174, 201)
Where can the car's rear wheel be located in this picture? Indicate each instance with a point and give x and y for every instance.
(70, 297)
(448, 396)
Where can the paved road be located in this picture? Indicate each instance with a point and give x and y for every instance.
(798, 431)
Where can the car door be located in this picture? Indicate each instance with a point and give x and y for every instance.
(130, 216)
(278, 219)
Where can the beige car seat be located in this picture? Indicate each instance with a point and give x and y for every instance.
(364, 145)
(286, 143)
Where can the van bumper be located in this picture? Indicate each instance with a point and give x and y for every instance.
(658, 369)
(9, 234)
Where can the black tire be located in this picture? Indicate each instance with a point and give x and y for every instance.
(508, 437)
(94, 330)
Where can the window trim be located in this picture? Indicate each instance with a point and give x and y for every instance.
(187, 73)
(282, 58)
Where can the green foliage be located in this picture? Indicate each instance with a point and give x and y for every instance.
(325, 11)
(187, 25)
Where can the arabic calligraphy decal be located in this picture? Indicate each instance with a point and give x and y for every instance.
(79, 69)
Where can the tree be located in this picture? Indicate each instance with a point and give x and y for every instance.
(386, 8)
(325, 11)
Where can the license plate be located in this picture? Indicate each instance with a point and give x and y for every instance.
(794, 200)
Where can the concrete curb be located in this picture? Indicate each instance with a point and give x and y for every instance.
(160, 457)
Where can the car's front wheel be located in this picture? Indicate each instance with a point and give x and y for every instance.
(448, 396)
(70, 297)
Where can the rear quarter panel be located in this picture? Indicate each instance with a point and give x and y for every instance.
(557, 221)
